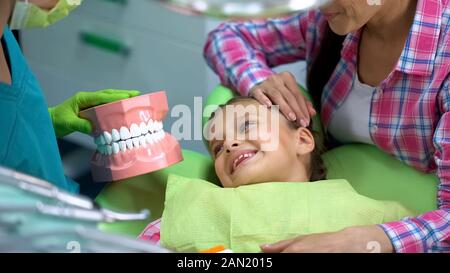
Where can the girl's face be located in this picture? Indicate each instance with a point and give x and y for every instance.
(258, 146)
(346, 16)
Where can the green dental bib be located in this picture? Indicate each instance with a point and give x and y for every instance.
(199, 215)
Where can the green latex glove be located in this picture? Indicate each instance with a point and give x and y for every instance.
(65, 115)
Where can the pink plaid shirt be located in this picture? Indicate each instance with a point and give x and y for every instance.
(152, 232)
(410, 112)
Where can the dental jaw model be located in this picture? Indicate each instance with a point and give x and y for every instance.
(130, 138)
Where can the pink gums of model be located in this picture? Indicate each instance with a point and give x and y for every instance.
(130, 138)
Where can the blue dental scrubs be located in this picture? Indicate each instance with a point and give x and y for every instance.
(27, 138)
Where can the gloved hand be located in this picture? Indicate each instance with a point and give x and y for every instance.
(65, 115)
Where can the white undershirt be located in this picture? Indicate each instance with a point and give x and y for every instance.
(350, 121)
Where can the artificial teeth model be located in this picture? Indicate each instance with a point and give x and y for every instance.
(130, 138)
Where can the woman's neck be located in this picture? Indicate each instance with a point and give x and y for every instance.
(394, 17)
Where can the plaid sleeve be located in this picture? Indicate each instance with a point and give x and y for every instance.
(152, 232)
(430, 232)
(241, 53)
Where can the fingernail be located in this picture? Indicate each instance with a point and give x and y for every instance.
(264, 246)
(292, 116)
(303, 123)
(268, 103)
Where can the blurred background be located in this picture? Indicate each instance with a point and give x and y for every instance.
(123, 44)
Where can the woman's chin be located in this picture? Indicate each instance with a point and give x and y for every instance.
(339, 29)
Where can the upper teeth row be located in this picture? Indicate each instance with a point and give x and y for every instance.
(124, 133)
(130, 144)
(242, 156)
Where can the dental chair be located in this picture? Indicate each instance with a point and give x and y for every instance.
(371, 172)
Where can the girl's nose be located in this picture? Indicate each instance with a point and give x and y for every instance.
(231, 145)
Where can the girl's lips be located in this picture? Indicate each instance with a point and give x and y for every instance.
(242, 159)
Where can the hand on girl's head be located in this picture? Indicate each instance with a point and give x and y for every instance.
(282, 89)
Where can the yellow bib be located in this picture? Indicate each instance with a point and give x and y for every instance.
(199, 215)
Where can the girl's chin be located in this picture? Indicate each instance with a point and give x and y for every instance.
(248, 179)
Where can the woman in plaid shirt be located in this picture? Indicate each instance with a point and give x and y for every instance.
(392, 91)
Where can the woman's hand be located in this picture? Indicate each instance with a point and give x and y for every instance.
(363, 239)
(65, 115)
(282, 89)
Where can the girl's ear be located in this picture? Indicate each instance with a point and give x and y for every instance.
(305, 141)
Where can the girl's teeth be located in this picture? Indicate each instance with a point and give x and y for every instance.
(242, 156)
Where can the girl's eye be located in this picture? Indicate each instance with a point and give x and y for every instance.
(246, 126)
(217, 149)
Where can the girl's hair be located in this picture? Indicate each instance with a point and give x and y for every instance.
(317, 167)
(325, 62)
